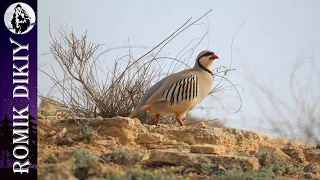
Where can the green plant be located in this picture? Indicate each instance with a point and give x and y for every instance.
(136, 174)
(275, 164)
(44, 113)
(176, 146)
(87, 132)
(235, 174)
(52, 158)
(112, 176)
(84, 158)
(209, 169)
(122, 156)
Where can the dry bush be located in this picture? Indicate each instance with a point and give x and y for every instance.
(298, 118)
(81, 89)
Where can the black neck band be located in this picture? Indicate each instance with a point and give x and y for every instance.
(202, 67)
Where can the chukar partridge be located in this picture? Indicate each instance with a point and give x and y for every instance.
(179, 92)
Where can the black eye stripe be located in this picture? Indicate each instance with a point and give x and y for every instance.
(206, 54)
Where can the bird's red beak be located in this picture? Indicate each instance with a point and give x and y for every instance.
(214, 57)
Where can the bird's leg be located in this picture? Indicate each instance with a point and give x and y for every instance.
(157, 119)
(180, 121)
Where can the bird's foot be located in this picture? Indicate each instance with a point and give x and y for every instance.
(180, 122)
(157, 120)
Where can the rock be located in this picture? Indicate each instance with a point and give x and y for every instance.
(272, 150)
(312, 168)
(99, 117)
(294, 152)
(150, 138)
(104, 142)
(229, 161)
(208, 149)
(318, 146)
(170, 142)
(52, 133)
(187, 159)
(312, 155)
(62, 132)
(124, 136)
(124, 129)
(235, 141)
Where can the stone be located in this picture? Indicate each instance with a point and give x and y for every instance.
(272, 150)
(312, 155)
(104, 142)
(311, 168)
(187, 159)
(52, 133)
(123, 135)
(208, 149)
(294, 152)
(150, 138)
(99, 117)
(62, 132)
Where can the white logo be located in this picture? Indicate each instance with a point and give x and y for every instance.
(19, 18)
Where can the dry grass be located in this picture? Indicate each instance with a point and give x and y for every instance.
(298, 118)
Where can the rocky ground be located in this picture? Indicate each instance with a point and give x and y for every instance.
(123, 148)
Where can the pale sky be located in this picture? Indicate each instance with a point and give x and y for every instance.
(275, 34)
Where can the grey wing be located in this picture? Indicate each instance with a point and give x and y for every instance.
(147, 95)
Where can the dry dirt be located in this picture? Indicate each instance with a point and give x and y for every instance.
(164, 149)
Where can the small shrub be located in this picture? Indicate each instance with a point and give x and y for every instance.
(176, 146)
(235, 174)
(44, 113)
(87, 133)
(52, 159)
(136, 174)
(122, 156)
(112, 176)
(84, 158)
(271, 163)
(143, 175)
(209, 169)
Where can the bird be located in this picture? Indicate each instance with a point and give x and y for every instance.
(177, 93)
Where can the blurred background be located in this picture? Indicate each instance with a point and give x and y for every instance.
(274, 53)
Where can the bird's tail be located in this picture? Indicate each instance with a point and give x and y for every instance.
(137, 111)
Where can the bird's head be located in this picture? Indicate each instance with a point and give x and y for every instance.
(205, 59)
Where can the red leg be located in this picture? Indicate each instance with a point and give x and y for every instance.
(180, 122)
(157, 119)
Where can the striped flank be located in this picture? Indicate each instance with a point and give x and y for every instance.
(184, 90)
